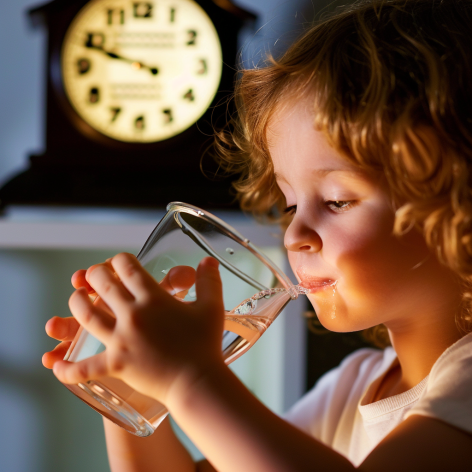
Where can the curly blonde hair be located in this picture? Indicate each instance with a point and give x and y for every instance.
(391, 87)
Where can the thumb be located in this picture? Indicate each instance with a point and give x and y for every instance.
(208, 284)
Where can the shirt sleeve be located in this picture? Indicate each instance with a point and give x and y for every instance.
(448, 395)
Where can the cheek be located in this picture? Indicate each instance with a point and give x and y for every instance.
(375, 266)
(373, 269)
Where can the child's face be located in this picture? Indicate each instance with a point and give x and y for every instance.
(340, 241)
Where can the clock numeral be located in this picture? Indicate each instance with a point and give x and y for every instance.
(203, 69)
(94, 95)
(95, 40)
(168, 117)
(115, 111)
(189, 95)
(172, 15)
(142, 10)
(139, 122)
(192, 37)
(83, 66)
(114, 15)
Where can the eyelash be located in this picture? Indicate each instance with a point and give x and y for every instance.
(290, 210)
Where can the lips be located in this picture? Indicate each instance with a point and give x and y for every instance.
(314, 283)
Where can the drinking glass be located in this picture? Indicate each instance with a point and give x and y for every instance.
(255, 291)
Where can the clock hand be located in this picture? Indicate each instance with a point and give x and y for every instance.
(135, 64)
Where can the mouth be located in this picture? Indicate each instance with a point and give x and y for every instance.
(313, 283)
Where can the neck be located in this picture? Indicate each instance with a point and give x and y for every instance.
(421, 331)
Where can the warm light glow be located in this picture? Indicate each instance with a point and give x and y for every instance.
(141, 71)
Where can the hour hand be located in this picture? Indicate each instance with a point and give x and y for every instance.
(135, 64)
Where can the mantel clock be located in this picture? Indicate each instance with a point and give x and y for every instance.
(132, 92)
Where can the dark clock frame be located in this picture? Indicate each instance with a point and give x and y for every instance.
(81, 166)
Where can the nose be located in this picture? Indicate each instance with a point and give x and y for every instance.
(300, 237)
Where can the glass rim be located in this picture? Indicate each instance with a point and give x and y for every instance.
(181, 207)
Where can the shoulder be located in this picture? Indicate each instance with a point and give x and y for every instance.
(448, 392)
(338, 389)
(457, 353)
(454, 365)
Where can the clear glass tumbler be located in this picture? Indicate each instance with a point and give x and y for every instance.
(255, 291)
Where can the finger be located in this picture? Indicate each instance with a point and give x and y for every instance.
(178, 280)
(99, 303)
(208, 284)
(78, 280)
(57, 354)
(95, 320)
(62, 329)
(109, 287)
(140, 283)
(78, 372)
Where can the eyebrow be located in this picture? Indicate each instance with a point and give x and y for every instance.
(325, 172)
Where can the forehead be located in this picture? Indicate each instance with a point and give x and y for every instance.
(295, 144)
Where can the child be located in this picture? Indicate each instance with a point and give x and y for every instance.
(360, 136)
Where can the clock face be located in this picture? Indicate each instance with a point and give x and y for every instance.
(141, 71)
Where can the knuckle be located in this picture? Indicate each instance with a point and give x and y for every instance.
(82, 371)
(117, 366)
(106, 287)
(118, 361)
(87, 315)
(101, 371)
(129, 270)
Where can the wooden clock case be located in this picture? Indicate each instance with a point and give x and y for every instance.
(81, 166)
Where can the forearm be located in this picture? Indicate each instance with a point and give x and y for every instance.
(161, 451)
(236, 432)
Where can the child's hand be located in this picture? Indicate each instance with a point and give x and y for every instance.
(64, 329)
(176, 282)
(154, 342)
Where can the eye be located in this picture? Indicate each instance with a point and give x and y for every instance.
(339, 206)
(290, 210)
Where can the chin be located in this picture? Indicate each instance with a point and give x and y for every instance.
(336, 318)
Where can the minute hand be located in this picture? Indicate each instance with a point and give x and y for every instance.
(137, 64)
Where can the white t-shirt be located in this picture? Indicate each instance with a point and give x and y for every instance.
(337, 411)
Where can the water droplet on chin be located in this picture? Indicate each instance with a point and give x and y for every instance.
(333, 310)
